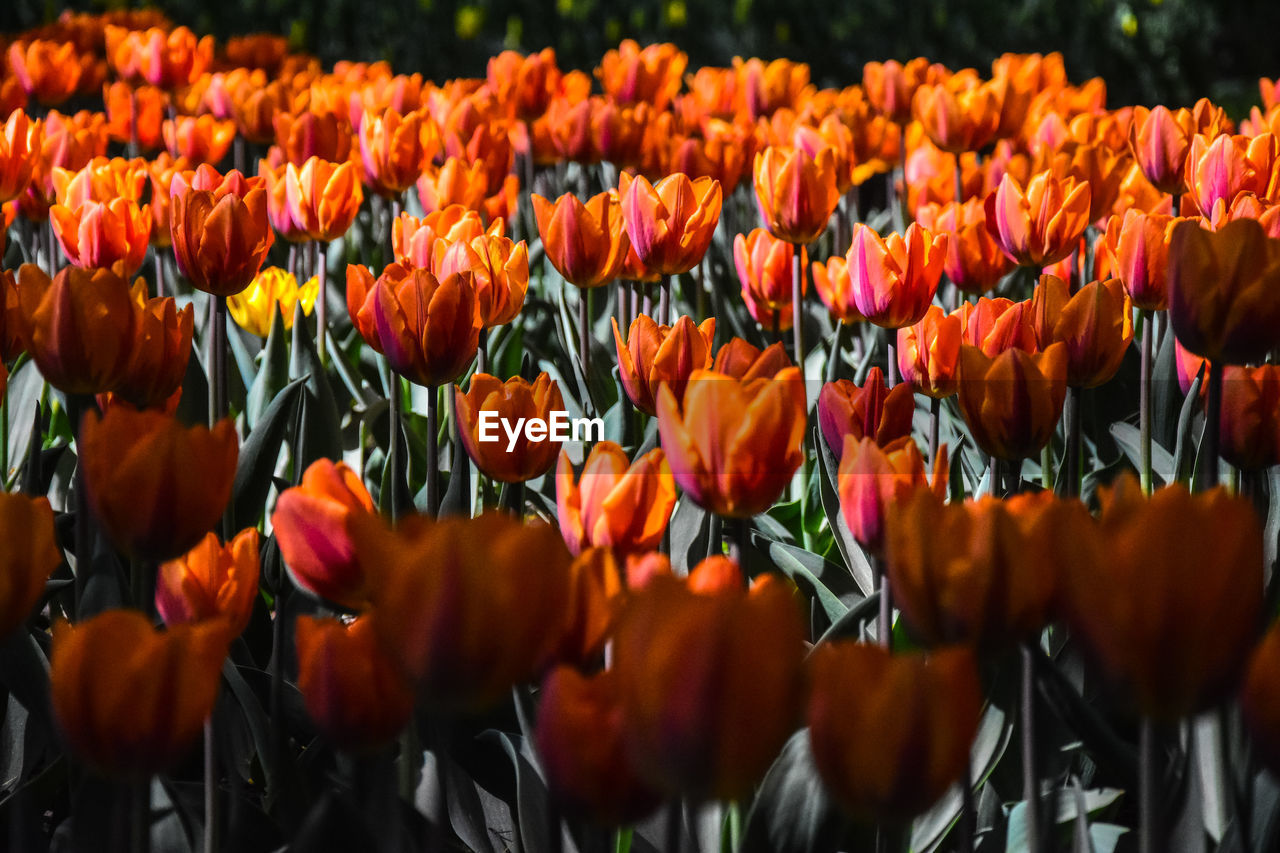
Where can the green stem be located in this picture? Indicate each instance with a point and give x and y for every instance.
(837, 345)
(1072, 459)
(318, 256)
(797, 304)
(884, 622)
(395, 402)
(1144, 400)
(433, 452)
(1212, 426)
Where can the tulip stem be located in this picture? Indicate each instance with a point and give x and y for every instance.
(891, 374)
(797, 305)
(1071, 460)
(968, 819)
(837, 345)
(738, 543)
(218, 361)
(703, 270)
(1046, 466)
(460, 464)
(141, 802)
(1030, 765)
(159, 268)
(433, 452)
(1144, 399)
(1213, 422)
(394, 402)
(51, 246)
(512, 499)
(715, 537)
(210, 788)
(884, 622)
(993, 484)
(482, 352)
(664, 301)
(322, 314)
(935, 416)
(1146, 788)
(77, 406)
(959, 181)
(584, 336)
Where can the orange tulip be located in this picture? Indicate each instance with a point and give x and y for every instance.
(586, 243)
(220, 229)
(835, 288)
(894, 280)
(796, 192)
(1221, 291)
(427, 327)
(959, 116)
(1222, 168)
(211, 581)
(312, 523)
(1160, 139)
(456, 604)
(670, 223)
(393, 150)
(1102, 168)
(743, 360)
(198, 139)
(733, 444)
(499, 268)
(526, 83)
(264, 51)
(323, 197)
(310, 134)
(615, 503)
(19, 148)
(739, 653)
(1011, 403)
(1260, 700)
(67, 141)
(929, 353)
(599, 598)
(1096, 324)
(1186, 655)
(79, 327)
(995, 325)
(156, 486)
(764, 265)
(872, 411)
(507, 458)
(1138, 249)
(351, 687)
(1041, 225)
(101, 180)
(47, 70)
(872, 478)
(30, 557)
(158, 362)
(974, 262)
(465, 183)
(890, 733)
(131, 700)
(167, 59)
(889, 86)
(1249, 435)
(104, 235)
(652, 74)
(654, 355)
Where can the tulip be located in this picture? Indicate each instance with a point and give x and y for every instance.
(764, 265)
(889, 86)
(592, 777)
(670, 223)
(872, 411)
(872, 478)
(393, 150)
(974, 262)
(459, 606)
(168, 59)
(29, 558)
(47, 70)
(323, 197)
(711, 684)
(1222, 168)
(310, 134)
(414, 240)
(1011, 403)
(652, 74)
(599, 596)
(272, 291)
(586, 243)
(160, 351)
(1185, 655)
(995, 325)
(467, 184)
(79, 326)
(101, 180)
(835, 289)
(741, 359)
(198, 139)
(1221, 288)
(264, 51)
(500, 269)
(1138, 249)
(733, 444)
(654, 355)
(428, 328)
(615, 503)
(131, 700)
(1041, 225)
(349, 683)
(1260, 700)
(211, 581)
(890, 733)
(527, 83)
(513, 402)
(929, 353)
(958, 119)
(796, 192)
(1250, 438)
(1096, 324)
(156, 486)
(104, 235)
(894, 280)
(19, 149)
(220, 229)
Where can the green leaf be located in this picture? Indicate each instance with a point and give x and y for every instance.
(931, 829)
(824, 579)
(321, 436)
(258, 455)
(855, 559)
(1129, 439)
(690, 529)
(272, 375)
(1182, 455)
(22, 402)
(792, 812)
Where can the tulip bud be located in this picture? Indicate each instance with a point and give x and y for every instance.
(586, 243)
(929, 353)
(323, 197)
(872, 411)
(796, 192)
(220, 229)
(1249, 433)
(160, 354)
(743, 360)
(211, 581)
(428, 328)
(1041, 225)
(1012, 403)
(894, 280)
(872, 478)
(670, 223)
(615, 503)
(491, 403)
(655, 355)
(392, 150)
(1096, 324)
(1138, 248)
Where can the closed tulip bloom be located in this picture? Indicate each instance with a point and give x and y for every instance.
(309, 134)
(1042, 224)
(272, 291)
(599, 595)
(462, 608)
(651, 74)
(1249, 433)
(1160, 140)
(590, 777)
(414, 240)
(19, 150)
(871, 479)
(653, 355)
(734, 444)
(198, 139)
(428, 328)
(312, 524)
(670, 223)
(586, 243)
(615, 503)
(1260, 698)
(156, 486)
(894, 280)
(835, 289)
(929, 353)
(743, 360)
(1096, 324)
(220, 229)
(980, 573)
(1222, 286)
(278, 211)
(104, 235)
(393, 150)
(526, 83)
(1101, 167)
(872, 411)
(1137, 246)
(1011, 403)
(499, 268)
(511, 402)
(1168, 612)
(958, 119)
(764, 265)
(323, 197)
(161, 349)
(212, 581)
(889, 86)
(1221, 169)
(974, 261)
(29, 558)
(350, 686)
(101, 180)
(47, 70)
(711, 683)
(79, 327)
(129, 699)
(994, 325)
(168, 59)
(360, 285)
(796, 192)
(891, 732)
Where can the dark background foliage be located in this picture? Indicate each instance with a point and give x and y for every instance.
(1149, 51)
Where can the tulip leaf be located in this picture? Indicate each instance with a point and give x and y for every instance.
(457, 494)
(193, 405)
(1129, 439)
(531, 800)
(989, 745)
(850, 624)
(1271, 538)
(1166, 395)
(1081, 717)
(22, 403)
(258, 455)
(273, 374)
(690, 529)
(239, 380)
(811, 571)
(792, 812)
(321, 436)
(255, 718)
(855, 559)
(1182, 456)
